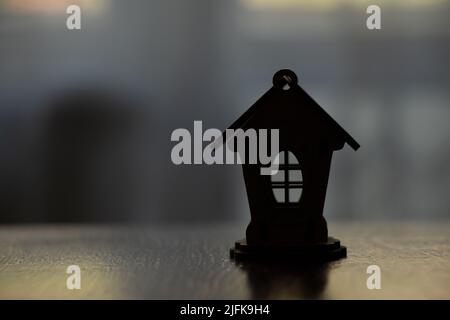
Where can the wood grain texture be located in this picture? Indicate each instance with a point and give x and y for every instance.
(193, 263)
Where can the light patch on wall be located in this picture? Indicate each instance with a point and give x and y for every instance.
(332, 4)
(51, 6)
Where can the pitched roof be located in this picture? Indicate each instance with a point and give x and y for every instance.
(288, 77)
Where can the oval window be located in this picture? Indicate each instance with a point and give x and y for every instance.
(287, 183)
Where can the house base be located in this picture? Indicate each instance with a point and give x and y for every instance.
(320, 252)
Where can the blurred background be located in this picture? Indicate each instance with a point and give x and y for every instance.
(86, 115)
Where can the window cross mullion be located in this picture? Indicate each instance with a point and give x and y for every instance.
(286, 178)
(288, 191)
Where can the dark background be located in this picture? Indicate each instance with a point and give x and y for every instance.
(86, 116)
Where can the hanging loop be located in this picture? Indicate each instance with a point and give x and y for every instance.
(285, 79)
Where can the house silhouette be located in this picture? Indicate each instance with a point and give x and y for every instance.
(287, 208)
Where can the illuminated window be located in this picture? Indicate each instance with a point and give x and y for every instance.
(287, 184)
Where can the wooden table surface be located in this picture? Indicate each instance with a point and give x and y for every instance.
(191, 262)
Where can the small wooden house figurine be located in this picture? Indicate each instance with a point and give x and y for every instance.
(287, 208)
